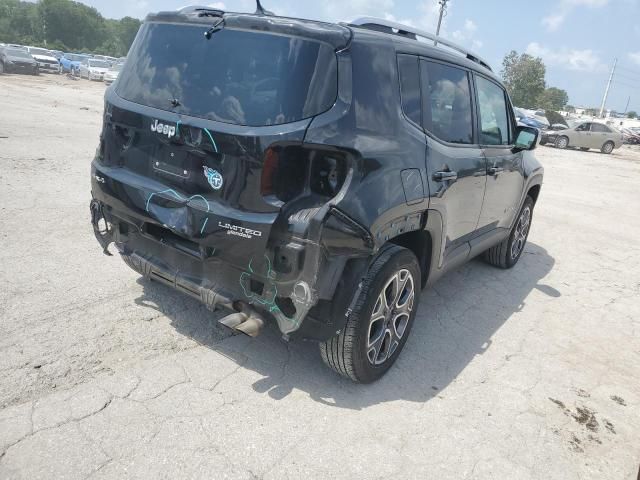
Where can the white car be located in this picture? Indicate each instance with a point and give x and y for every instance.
(93, 69)
(112, 74)
(46, 61)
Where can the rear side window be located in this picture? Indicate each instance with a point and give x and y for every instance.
(410, 87)
(494, 119)
(239, 77)
(598, 127)
(447, 102)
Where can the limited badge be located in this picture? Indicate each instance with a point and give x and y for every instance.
(213, 177)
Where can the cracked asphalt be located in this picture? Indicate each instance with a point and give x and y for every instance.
(532, 373)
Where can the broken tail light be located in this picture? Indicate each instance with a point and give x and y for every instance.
(293, 171)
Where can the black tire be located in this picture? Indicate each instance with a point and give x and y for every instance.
(584, 149)
(1, 68)
(507, 253)
(352, 353)
(608, 147)
(562, 142)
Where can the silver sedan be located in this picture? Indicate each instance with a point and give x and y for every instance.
(585, 136)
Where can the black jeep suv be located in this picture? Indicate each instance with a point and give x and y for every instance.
(312, 174)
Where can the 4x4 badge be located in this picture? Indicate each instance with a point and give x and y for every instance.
(213, 177)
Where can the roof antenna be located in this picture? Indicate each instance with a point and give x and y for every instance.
(260, 9)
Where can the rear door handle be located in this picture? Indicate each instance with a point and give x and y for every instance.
(495, 170)
(445, 176)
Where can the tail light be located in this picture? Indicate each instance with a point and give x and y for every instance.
(293, 171)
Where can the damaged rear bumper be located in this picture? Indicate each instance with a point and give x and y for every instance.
(280, 278)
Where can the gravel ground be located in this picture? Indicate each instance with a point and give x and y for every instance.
(527, 373)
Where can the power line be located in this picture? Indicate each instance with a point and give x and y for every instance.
(636, 72)
(617, 82)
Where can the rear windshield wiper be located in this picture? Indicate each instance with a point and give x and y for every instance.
(215, 28)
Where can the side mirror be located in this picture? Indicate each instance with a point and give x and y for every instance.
(526, 138)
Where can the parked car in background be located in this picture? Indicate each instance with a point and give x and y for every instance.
(527, 120)
(585, 136)
(630, 137)
(93, 69)
(45, 59)
(70, 63)
(56, 53)
(112, 74)
(17, 60)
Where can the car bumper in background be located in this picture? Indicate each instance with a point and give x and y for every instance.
(49, 67)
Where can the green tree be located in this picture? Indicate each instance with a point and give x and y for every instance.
(524, 78)
(56, 23)
(632, 114)
(553, 98)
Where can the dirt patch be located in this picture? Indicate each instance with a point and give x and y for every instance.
(619, 400)
(609, 426)
(586, 417)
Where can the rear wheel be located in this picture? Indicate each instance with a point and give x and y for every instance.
(507, 253)
(562, 142)
(378, 326)
(607, 147)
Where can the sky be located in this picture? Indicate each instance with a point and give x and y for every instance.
(577, 39)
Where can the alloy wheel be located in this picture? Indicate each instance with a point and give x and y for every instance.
(390, 317)
(520, 233)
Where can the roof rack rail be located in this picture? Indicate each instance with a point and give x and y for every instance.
(395, 28)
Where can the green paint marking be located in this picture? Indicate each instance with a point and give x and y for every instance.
(270, 303)
(213, 142)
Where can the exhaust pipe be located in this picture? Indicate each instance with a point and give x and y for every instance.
(248, 323)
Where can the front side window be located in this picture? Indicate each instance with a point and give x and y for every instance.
(410, 87)
(238, 76)
(447, 102)
(583, 128)
(494, 117)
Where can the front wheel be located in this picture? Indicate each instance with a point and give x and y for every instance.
(607, 148)
(562, 142)
(378, 326)
(1, 68)
(507, 253)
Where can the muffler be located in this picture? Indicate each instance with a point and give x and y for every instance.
(248, 323)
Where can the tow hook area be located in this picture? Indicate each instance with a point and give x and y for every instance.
(102, 228)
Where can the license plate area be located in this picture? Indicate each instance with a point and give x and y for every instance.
(169, 169)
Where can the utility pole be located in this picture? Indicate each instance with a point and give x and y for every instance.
(443, 12)
(627, 107)
(606, 92)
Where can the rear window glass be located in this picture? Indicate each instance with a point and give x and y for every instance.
(237, 76)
